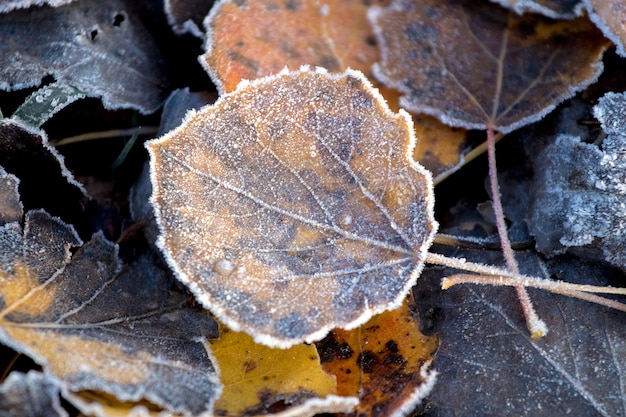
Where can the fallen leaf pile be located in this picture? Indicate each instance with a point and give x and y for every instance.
(275, 248)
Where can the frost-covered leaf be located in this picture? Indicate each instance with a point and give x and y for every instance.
(610, 17)
(45, 182)
(30, 395)
(293, 205)
(98, 47)
(384, 362)
(96, 327)
(260, 380)
(474, 65)
(186, 16)
(45, 102)
(579, 191)
(488, 365)
(8, 5)
(556, 9)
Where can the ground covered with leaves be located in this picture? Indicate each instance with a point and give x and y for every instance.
(252, 207)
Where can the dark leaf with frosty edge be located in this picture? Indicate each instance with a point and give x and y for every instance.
(30, 395)
(475, 65)
(95, 46)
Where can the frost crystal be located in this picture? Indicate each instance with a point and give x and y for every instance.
(580, 193)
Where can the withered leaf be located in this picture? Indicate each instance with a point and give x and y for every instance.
(384, 362)
(30, 395)
(260, 380)
(45, 182)
(579, 190)
(293, 205)
(97, 328)
(489, 366)
(474, 65)
(555, 9)
(97, 47)
(610, 17)
(244, 42)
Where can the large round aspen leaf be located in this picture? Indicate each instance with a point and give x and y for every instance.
(293, 205)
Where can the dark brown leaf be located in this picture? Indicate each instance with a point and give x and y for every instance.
(474, 65)
(293, 205)
(488, 365)
(11, 209)
(186, 16)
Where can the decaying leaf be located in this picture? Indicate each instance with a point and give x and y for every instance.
(45, 182)
(610, 17)
(261, 380)
(97, 328)
(92, 45)
(579, 191)
(384, 362)
(30, 395)
(474, 65)
(556, 9)
(244, 42)
(293, 205)
(488, 365)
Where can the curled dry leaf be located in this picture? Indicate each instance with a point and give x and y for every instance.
(293, 205)
(477, 66)
(97, 328)
(11, 209)
(92, 45)
(610, 17)
(579, 190)
(30, 395)
(384, 362)
(261, 380)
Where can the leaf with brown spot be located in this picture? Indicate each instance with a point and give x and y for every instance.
(382, 362)
(244, 42)
(96, 327)
(293, 205)
(261, 380)
(477, 66)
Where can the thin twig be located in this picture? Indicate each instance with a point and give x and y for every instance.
(114, 133)
(536, 326)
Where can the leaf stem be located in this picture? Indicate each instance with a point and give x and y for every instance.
(558, 287)
(535, 325)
